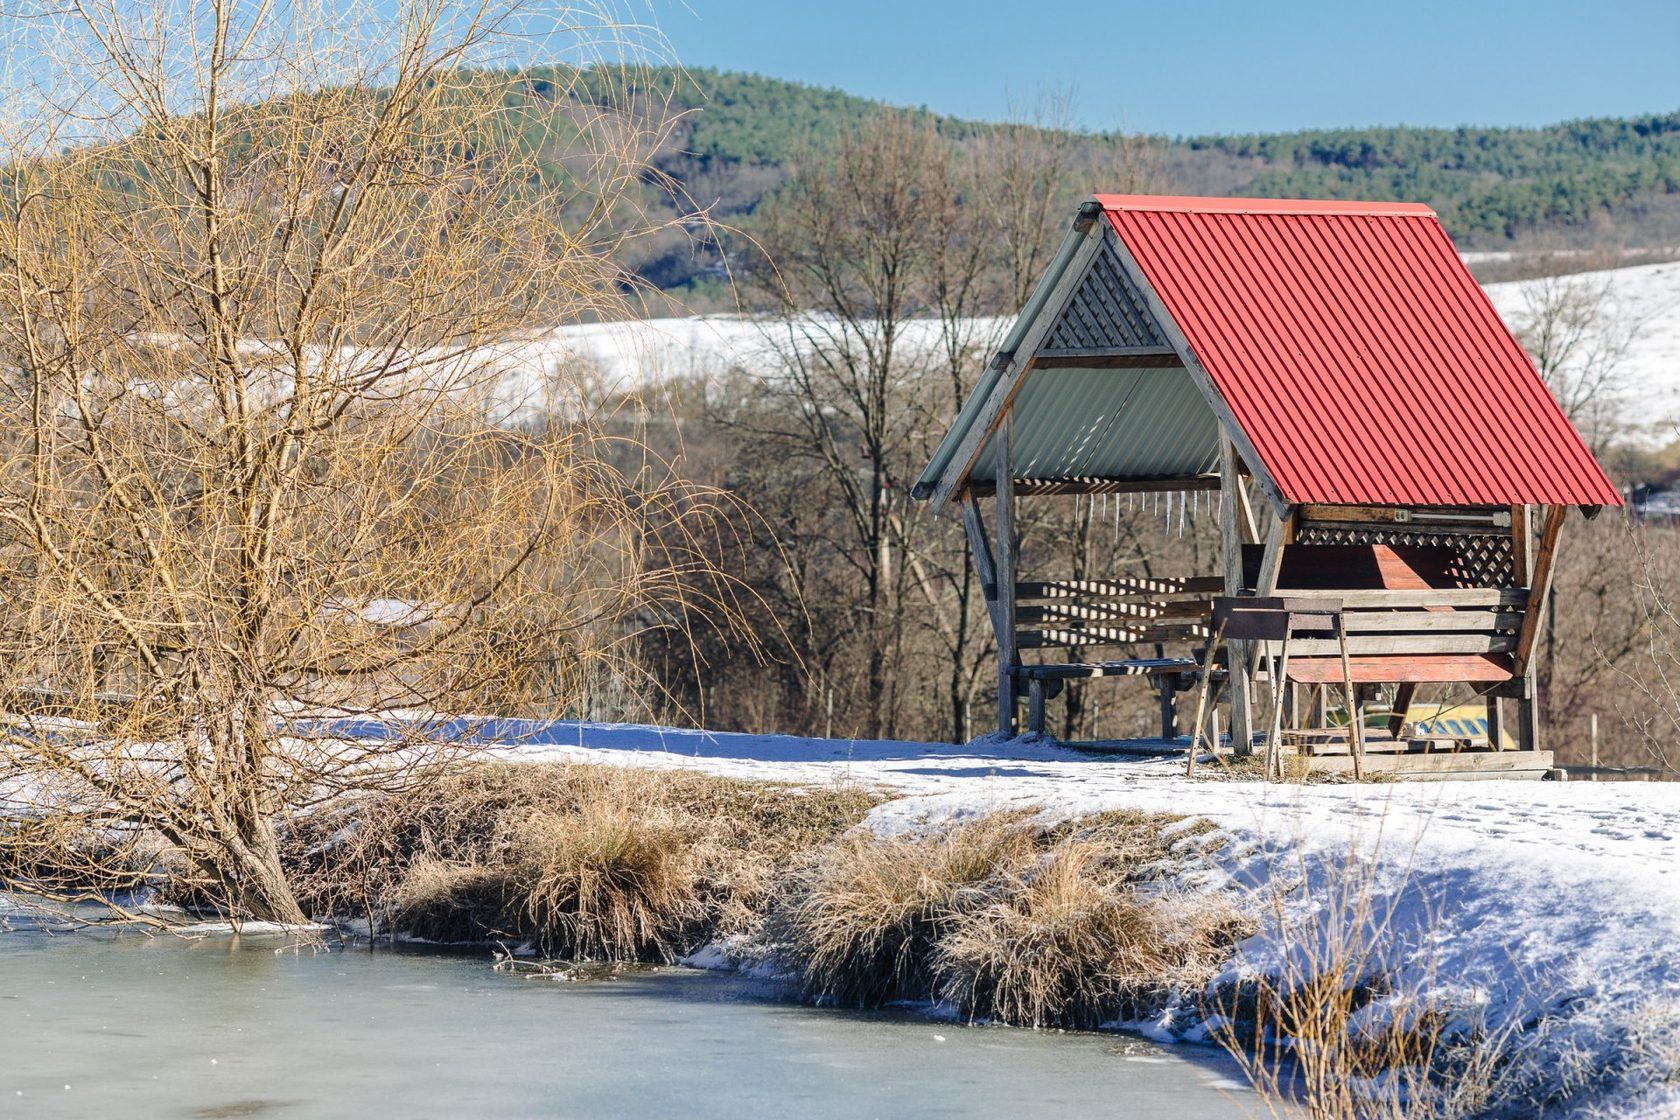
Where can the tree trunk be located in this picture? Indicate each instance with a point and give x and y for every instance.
(255, 880)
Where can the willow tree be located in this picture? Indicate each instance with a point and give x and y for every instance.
(266, 275)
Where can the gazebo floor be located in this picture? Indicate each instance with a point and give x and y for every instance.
(1416, 759)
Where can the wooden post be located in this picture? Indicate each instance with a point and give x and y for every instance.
(1006, 558)
(1356, 716)
(1202, 694)
(1274, 732)
(1239, 685)
(1403, 693)
(1495, 723)
(981, 549)
(1280, 530)
(1539, 587)
(1594, 721)
(1534, 614)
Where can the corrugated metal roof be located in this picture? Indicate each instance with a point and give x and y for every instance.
(1109, 423)
(1357, 353)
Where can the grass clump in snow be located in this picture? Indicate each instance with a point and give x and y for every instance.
(859, 923)
(580, 861)
(1005, 920)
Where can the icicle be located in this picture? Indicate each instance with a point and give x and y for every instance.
(1181, 504)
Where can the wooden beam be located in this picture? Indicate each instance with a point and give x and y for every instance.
(1008, 657)
(1522, 538)
(1404, 645)
(1271, 560)
(1159, 589)
(1119, 357)
(1038, 486)
(1231, 541)
(1376, 622)
(1250, 524)
(981, 549)
(1540, 584)
(1469, 518)
(1442, 764)
(1370, 598)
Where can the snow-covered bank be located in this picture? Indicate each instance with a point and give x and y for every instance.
(1526, 898)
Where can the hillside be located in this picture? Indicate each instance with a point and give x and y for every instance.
(1603, 183)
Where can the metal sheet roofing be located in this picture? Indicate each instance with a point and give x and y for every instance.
(1357, 353)
(1109, 423)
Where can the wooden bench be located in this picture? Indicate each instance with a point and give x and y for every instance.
(1409, 617)
(1410, 614)
(1091, 614)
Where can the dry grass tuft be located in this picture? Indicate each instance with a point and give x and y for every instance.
(585, 861)
(859, 922)
(450, 902)
(1067, 926)
(1076, 941)
(615, 879)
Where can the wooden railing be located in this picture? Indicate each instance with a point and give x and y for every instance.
(1075, 613)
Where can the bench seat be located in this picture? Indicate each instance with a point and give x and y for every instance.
(1423, 668)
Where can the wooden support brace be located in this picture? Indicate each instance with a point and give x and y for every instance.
(1539, 588)
(1008, 656)
(1403, 693)
(1231, 542)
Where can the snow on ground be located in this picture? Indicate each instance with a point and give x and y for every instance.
(1644, 299)
(1554, 896)
(639, 354)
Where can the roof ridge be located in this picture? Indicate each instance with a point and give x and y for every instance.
(1191, 204)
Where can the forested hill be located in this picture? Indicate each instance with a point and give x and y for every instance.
(1576, 184)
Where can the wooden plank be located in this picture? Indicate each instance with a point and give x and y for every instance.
(1249, 523)
(1379, 622)
(981, 549)
(1521, 546)
(1442, 668)
(1117, 357)
(1101, 636)
(1017, 370)
(1052, 486)
(1137, 613)
(1119, 588)
(1370, 645)
(1271, 561)
(1421, 764)
(1006, 558)
(1469, 519)
(1540, 586)
(1364, 598)
(1241, 690)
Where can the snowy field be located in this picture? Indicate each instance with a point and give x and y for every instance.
(1515, 897)
(638, 355)
(1644, 300)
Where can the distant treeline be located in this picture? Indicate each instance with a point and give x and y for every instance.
(1488, 184)
(1482, 181)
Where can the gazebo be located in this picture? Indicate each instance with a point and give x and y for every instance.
(1378, 440)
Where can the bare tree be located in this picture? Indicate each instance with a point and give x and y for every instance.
(262, 270)
(1579, 342)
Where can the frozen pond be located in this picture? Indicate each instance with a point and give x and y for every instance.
(103, 1024)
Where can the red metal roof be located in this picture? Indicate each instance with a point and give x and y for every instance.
(1358, 354)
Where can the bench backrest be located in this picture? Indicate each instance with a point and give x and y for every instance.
(1398, 601)
(1116, 612)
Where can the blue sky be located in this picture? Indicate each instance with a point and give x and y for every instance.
(1218, 66)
